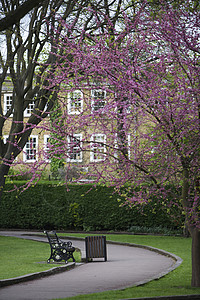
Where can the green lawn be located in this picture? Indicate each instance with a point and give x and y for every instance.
(19, 257)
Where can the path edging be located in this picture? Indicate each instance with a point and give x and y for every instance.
(37, 275)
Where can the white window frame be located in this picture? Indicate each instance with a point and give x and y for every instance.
(128, 144)
(28, 111)
(129, 104)
(5, 138)
(77, 136)
(35, 148)
(7, 106)
(95, 99)
(75, 106)
(98, 150)
(46, 147)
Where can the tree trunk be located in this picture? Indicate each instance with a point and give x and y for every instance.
(3, 172)
(195, 257)
(194, 231)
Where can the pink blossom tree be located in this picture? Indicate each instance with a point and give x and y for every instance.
(145, 131)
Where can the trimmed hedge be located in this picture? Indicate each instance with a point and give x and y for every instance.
(48, 206)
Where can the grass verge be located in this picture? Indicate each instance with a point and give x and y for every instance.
(20, 257)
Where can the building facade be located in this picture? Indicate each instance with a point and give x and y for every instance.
(82, 147)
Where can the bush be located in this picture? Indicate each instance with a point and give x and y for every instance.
(49, 206)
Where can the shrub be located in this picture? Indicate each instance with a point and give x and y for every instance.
(49, 206)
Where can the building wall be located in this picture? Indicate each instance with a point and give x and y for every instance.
(74, 103)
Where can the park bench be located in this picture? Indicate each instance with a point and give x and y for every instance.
(59, 250)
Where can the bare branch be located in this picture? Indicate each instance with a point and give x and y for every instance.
(16, 15)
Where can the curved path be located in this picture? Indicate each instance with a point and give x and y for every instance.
(126, 266)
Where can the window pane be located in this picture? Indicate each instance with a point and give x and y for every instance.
(98, 147)
(74, 148)
(98, 99)
(30, 153)
(75, 103)
(7, 102)
(30, 108)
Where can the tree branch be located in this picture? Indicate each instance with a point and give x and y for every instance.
(14, 16)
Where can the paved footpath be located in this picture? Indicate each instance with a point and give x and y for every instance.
(126, 266)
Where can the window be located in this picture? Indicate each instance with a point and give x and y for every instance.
(46, 147)
(124, 103)
(30, 149)
(75, 102)
(119, 147)
(98, 147)
(29, 109)
(74, 148)
(7, 102)
(98, 99)
(5, 138)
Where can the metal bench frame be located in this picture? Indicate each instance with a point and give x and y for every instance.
(59, 250)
